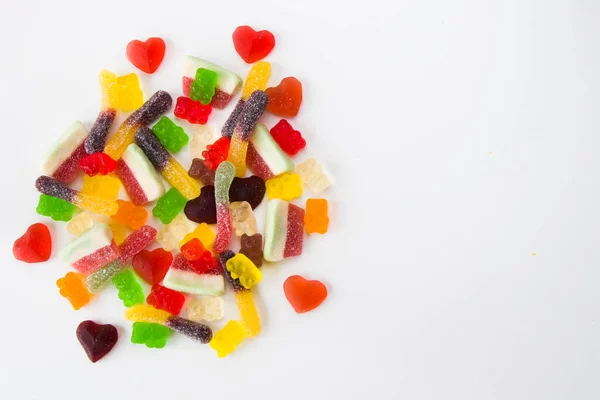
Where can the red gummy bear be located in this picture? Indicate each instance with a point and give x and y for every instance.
(97, 163)
(165, 299)
(304, 295)
(192, 111)
(146, 56)
(290, 140)
(193, 249)
(152, 266)
(251, 45)
(216, 153)
(35, 245)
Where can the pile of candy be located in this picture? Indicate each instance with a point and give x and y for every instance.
(194, 262)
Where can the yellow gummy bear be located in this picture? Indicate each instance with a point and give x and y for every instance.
(286, 187)
(121, 92)
(145, 313)
(227, 339)
(242, 268)
(119, 232)
(204, 233)
(106, 187)
(245, 303)
(257, 78)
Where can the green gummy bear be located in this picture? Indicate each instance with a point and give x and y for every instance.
(169, 205)
(151, 334)
(203, 87)
(171, 135)
(130, 290)
(55, 208)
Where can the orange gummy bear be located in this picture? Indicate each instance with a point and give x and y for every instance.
(71, 287)
(285, 98)
(315, 218)
(131, 215)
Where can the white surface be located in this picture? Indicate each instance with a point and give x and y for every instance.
(462, 136)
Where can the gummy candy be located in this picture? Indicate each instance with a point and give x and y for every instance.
(203, 208)
(242, 218)
(96, 139)
(284, 230)
(106, 187)
(166, 299)
(228, 83)
(34, 246)
(193, 250)
(228, 338)
(203, 87)
(168, 206)
(158, 104)
(223, 258)
(304, 295)
(152, 266)
(82, 222)
(139, 178)
(223, 178)
(202, 136)
(252, 45)
(240, 267)
(145, 313)
(285, 98)
(52, 187)
(216, 153)
(146, 56)
(167, 165)
(201, 172)
(254, 108)
(97, 163)
(289, 139)
(171, 135)
(90, 251)
(265, 158)
(229, 126)
(55, 208)
(170, 235)
(315, 218)
(62, 161)
(257, 78)
(312, 175)
(208, 308)
(131, 215)
(72, 288)
(182, 278)
(129, 289)
(248, 312)
(119, 232)
(192, 111)
(96, 339)
(286, 187)
(252, 247)
(121, 92)
(154, 336)
(204, 233)
(251, 189)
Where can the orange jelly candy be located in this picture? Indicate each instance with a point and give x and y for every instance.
(131, 215)
(71, 287)
(285, 98)
(304, 295)
(315, 218)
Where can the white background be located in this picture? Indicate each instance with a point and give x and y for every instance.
(463, 139)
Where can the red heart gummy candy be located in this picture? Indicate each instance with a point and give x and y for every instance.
(304, 295)
(35, 245)
(152, 266)
(146, 56)
(96, 339)
(285, 98)
(251, 45)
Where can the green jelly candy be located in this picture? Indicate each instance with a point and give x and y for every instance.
(169, 205)
(55, 208)
(130, 290)
(151, 334)
(171, 135)
(203, 87)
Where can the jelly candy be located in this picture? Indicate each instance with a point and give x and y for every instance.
(156, 105)
(173, 172)
(52, 187)
(154, 336)
(55, 208)
(265, 158)
(304, 295)
(62, 161)
(228, 83)
(240, 267)
(194, 250)
(166, 299)
(129, 289)
(229, 126)
(251, 189)
(252, 247)
(252, 45)
(145, 313)
(170, 235)
(122, 92)
(312, 175)
(223, 178)
(254, 108)
(105, 187)
(182, 278)
(131, 215)
(242, 218)
(34, 246)
(192, 111)
(203, 87)
(235, 282)
(82, 222)
(96, 339)
(202, 136)
(119, 232)
(204, 233)
(201, 172)
(289, 139)
(152, 266)
(285, 98)
(72, 288)
(257, 78)
(315, 218)
(228, 338)
(171, 135)
(95, 141)
(97, 163)
(248, 312)
(286, 187)
(203, 208)
(284, 230)
(91, 251)
(168, 206)
(216, 153)
(146, 56)
(207, 308)
(138, 176)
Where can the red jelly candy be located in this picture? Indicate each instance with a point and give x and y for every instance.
(165, 299)
(251, 45)
(285, 99)
(304, 295)
(146, 56)
(193, 249)
(216, 153)
(152, 266)
(96, 339)
(290, 140)
(192, 111)
(35, 245)
(97, 163)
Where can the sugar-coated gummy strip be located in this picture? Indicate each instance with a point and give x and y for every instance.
(228, 83)
(245, 302)
(92, 250)
(193, 283)
(223, 178)
(62, 161)
(284, 230)
(96, 139)
(232, 121)
(235, 283)
(138, 176)
(264, 158)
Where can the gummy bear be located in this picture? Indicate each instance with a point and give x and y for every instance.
(243, 269)
(83, 222)
(285, 98)
(315, 218)
(97, 340)
(34, 246)
(72, 287)
(106, 187)
(129, 289)
(251, 45)
(151, 334)
(216, 153)
(193, 249)
(251, 189)
(257, 78)
(202, 136)
(55, 208)
(203, 208)
(166, 299)
(170, 235)
(121, 92)
(119, 232)
(203, 87)
(204, 233)
(131, 215)
(146, 56)
(207, 308)
(171, 135)
(289, 139)
(287, 187)
(252, 247)
(312, 175)
(228, 338)
(152, 266)
(192, 111)
(243, 218)
(97, 163)
(304, 295)
(201, 172)
(169, 205)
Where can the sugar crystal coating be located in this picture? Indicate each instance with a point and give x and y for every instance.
(257, 78)
(90, 251)
(223, 178)
(146, 313)
(265, 158)
(248, 311)
(62, 160)
(194, 330)
(227, 85)
(232, 120)
(96, 139)
(138, 176)
(52, 187)
(152, 147)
